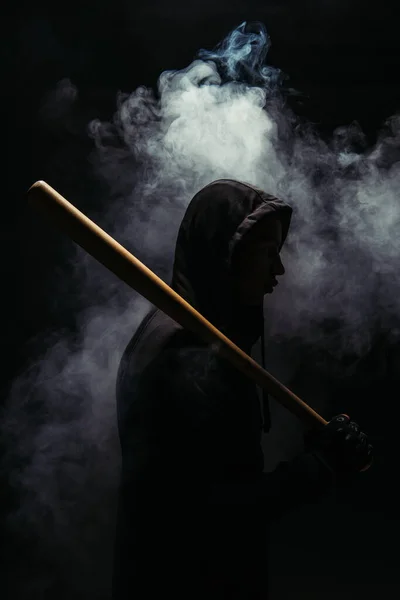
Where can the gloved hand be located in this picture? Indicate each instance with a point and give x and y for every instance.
(341, 446)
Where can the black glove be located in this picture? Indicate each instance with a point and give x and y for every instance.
(341, 446)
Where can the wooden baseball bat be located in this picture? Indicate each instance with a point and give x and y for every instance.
(124, 265)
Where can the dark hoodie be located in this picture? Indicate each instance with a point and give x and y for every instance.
(195, 504)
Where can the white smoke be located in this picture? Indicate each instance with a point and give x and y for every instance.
(342, 249)
(221, 117)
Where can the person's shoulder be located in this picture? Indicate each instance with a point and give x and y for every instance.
(149, 338)
(183, 354)
(160, 343)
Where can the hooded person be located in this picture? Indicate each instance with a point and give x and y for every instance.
(195, 504)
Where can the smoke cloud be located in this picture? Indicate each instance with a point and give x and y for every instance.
(224, 116)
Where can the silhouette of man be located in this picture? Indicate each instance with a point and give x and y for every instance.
(195, 505)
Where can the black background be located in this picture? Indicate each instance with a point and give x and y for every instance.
(345, 58)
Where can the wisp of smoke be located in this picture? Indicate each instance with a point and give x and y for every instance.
(224, 116)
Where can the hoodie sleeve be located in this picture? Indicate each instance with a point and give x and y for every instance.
(293, 484)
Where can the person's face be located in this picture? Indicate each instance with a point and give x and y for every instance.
(258, 263)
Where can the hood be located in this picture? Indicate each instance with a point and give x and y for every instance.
(215, 223)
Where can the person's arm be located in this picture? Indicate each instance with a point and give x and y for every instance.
(290, 485)
(334, 457)
(295, 483)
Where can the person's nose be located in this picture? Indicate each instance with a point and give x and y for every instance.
(278, 268)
